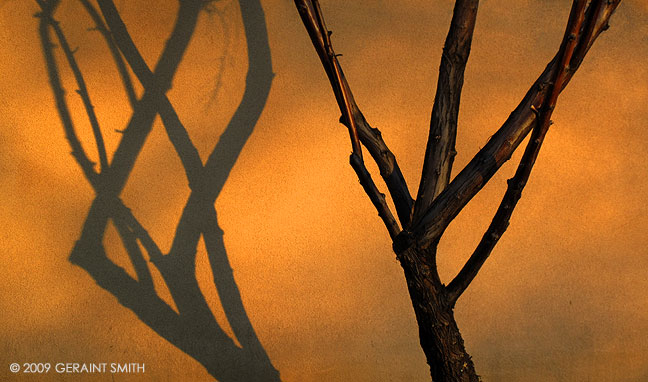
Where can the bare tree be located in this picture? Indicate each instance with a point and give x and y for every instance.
(422, 222)
(191, 326)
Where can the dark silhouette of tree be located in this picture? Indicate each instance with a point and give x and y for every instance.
(422, 222)
(192, 328)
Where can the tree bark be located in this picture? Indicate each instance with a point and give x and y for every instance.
(438, 332)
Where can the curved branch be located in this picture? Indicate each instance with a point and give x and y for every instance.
(351, 115)
(516, 184)
(313, 20)
(495, 153)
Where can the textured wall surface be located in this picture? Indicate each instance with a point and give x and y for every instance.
(564, 296)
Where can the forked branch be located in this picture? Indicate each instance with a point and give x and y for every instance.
(498, 149)
(313, 20)
(440, 149)
(518, 182)
(371, 138)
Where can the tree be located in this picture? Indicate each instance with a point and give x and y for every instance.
(422, 221)
(191, 326)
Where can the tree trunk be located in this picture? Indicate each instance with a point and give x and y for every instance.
(438, 331)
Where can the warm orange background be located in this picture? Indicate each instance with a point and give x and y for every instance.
(563, 298)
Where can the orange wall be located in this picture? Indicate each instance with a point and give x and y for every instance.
(563, 298)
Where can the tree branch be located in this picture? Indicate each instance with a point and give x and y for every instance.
(491, 157)
(440, 149)
(351, 115)
(313, 19)
(518, 182)
(376, 197)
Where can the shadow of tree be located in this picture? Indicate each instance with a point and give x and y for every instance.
(193, 328)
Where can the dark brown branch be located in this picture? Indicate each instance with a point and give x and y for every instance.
(114, 51)
(313, 19)
(371, 138)
(592, 16)
(342, 93)
(440, 149)
(377, 198)
(518, 182)
(491, 157)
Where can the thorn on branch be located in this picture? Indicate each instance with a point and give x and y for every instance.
(535, 110)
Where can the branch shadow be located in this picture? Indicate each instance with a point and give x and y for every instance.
(193, 328)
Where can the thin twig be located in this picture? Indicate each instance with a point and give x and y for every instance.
(313, 20)
(376, 197)
(518, 182)
(371, 138)
(341, 91)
